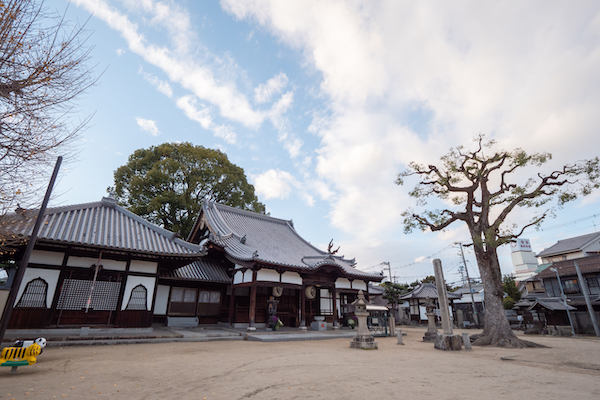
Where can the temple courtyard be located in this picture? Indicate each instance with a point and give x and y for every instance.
(322, 369)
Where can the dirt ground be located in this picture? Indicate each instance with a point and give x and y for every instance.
(324, 369)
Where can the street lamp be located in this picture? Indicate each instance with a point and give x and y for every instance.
(564, 300)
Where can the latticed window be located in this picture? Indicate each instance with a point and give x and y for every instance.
(34, 295)
(137, 300)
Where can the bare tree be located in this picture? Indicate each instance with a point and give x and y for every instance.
(42, 71)
(483, 190)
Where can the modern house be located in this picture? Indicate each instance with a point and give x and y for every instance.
(571, 248)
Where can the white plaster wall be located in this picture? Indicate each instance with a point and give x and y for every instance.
(133, 281)
(148, 267)
(291, 277)
(248, 276)
(342, 283)
(86, 262)
(49, 275)
(268, 275)
(238, 277)
(359, 285)
(162, 300)
(46, 257)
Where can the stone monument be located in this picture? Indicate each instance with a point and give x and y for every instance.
(447, 340)
(363, 338)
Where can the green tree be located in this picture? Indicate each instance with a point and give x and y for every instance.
(483, 187)
(512, 292)
(393, 291)
(167, 184)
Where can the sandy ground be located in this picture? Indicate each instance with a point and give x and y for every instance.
(325, 369)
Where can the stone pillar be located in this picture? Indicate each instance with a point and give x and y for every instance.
(442, 297)
(399, 333)
(432, 330)
(447, 341)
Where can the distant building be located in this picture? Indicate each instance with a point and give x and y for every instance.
(572, 248)
(523, 259)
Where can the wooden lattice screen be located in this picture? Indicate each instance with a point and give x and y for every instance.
(75, 292)
(137, 300)
(34, 295)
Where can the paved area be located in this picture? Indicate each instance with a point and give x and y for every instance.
(163, 334)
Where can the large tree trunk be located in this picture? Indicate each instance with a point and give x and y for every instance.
(496, 331)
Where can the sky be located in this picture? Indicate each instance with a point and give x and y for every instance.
(323, 103)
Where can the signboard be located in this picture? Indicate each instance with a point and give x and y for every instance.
(520, 245)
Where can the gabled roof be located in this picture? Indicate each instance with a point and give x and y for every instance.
(203, 271)
(551, 303)
(250, 237)
(427, 291)
(570, 245)
(100, 224)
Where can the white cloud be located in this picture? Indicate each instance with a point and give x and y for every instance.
(201, 114)
(148, 125)
(160, 85)
(274, 184)
(120, 52)
(264, 92)
(405, 81)
(180, 66)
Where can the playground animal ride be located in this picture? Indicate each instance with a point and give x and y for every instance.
(19, 356)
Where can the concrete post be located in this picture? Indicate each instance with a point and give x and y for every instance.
(466, 341)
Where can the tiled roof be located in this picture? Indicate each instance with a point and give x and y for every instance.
(465, 289)
(551, 303)
(587, 265)
(248, 236)
(570, 245)
(427, 291)
(203, 270)
(100, 224)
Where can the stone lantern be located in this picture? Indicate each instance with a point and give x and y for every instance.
(363, 338)
(432, 330)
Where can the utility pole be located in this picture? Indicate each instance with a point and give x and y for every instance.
(562, 293)
(586, 294)
(475, 316)
(389, 269)
(12, 297)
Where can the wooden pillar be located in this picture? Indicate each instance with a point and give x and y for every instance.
(303, 306)
(252, 310)
(231, 305)
(334, 299)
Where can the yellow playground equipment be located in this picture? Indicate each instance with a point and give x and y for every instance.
(19, 356)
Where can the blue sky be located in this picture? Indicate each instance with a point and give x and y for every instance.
(324, 102)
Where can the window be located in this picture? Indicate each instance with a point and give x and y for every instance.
(326, 303)
(593, 286)
(571, 286)
(34, 295)
(137, 300)
(183, 301)
(209, 303)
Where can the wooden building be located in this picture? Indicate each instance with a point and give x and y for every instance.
(93, 264)
(98, 264)
(268, 258)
